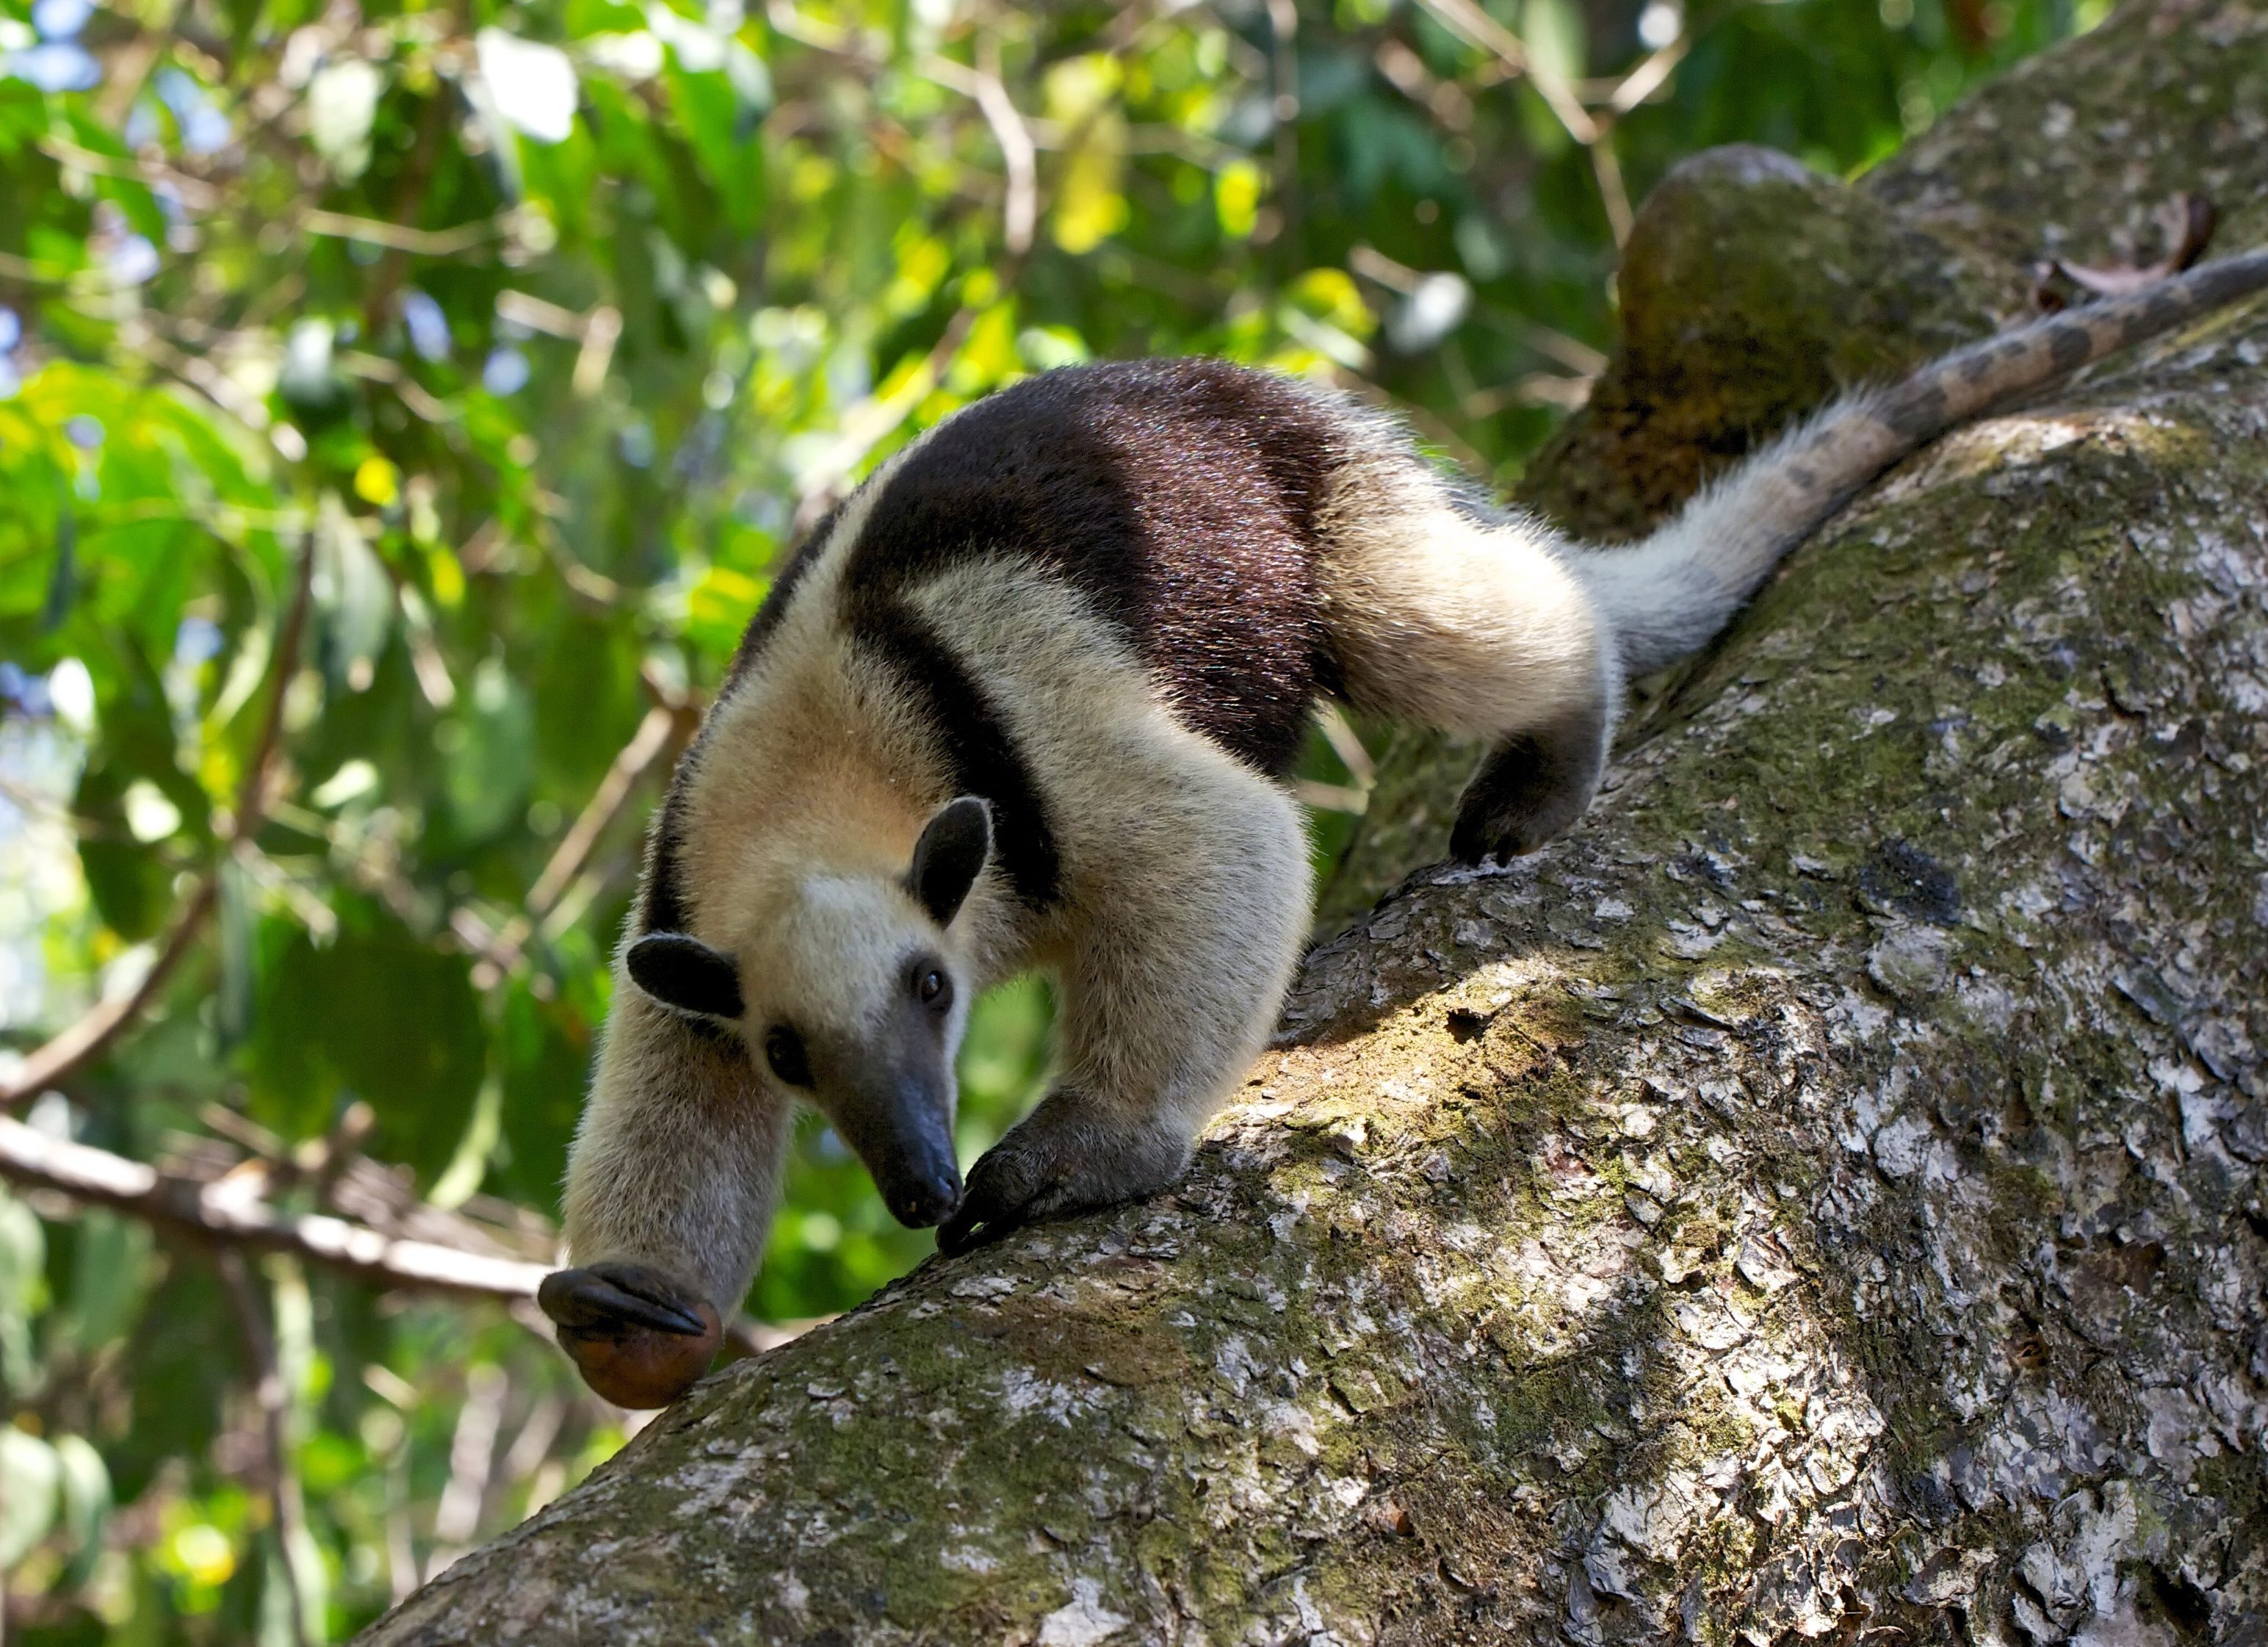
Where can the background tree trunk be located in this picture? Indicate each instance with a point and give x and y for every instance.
(1824, 1195)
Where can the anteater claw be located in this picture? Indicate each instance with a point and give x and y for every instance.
(637, 1338)
(608, 1298)
(999, 1198)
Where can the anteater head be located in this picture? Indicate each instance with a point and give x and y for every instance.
(849, 990)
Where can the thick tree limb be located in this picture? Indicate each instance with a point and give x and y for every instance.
(1824, 1197)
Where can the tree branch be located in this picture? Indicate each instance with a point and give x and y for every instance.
(1817, 1197)
(218, 1212)
(230, 1213)
(79, 1041)
(1018, 157)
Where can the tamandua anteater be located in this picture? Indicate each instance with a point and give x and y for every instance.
(1027, 698)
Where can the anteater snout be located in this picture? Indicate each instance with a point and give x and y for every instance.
(923, 1199)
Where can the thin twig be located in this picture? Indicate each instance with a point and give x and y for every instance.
(1607, 167)
(1284, 104)
(1596, 133)
(398, 236)
(1347, 744)
(1017, 154)
(867, 423)
(193, 192)
(77, 1042)
(1651, 75)
(501, 953)
(1476, 27)
(285, 1504)
(472, 1460)
(200, 374)
(72, 1046)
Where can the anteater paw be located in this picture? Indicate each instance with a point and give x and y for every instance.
(637, 1338)
(1064, 1157)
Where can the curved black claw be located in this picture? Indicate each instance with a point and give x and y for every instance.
(611, 1300)
(998, 1200)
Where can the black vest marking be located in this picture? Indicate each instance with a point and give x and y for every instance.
(981, 753)
(1177, 496)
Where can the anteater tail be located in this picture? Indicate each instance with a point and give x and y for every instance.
(1670, 594)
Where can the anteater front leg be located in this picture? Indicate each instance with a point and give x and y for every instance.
(670, 1190)
(1178, 946)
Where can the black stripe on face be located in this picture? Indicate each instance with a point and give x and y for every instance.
(981, 753)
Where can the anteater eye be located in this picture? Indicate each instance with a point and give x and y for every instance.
(783, 1051)
(934, 988)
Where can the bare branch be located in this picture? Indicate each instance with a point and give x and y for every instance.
(193, 192)
(79, 1041)
(472, 1460)
(654, 734)
(1607, 166)
(1476, 27)
(212, 1212)
(1651, 75)
(1284, 104)
(1347, 744)
(1445, 100)
(867, 424)
(397, 237)
(645, 746)
(1017, 155)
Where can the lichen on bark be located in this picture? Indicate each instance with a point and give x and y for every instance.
(1823, 1195)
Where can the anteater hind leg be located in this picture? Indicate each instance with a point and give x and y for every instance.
(1176, 955)
(1478, 626)
(1533, 786)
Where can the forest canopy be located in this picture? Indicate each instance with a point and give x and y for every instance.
(401, 410)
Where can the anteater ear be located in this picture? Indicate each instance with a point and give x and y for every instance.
(949, 856)
(686, 973)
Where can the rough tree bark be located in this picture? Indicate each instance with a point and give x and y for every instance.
(1822, 1196)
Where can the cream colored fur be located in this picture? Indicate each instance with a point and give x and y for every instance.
(814, 783)
(1482, 627)
(665, 1098)
(1185, 898)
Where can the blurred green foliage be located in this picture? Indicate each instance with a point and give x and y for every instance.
(535, 332)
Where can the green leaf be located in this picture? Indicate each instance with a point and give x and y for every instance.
(31, 1483)
(376, 1014)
